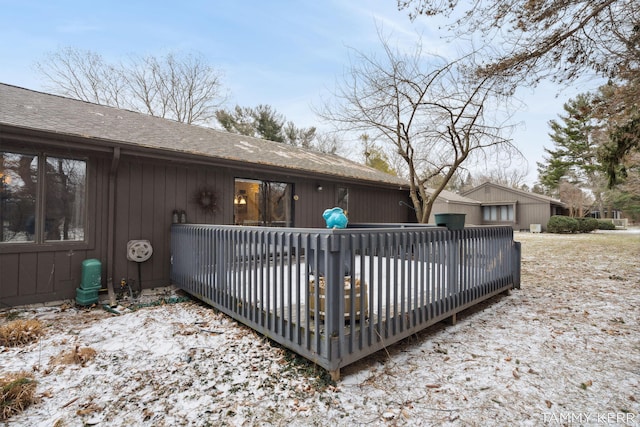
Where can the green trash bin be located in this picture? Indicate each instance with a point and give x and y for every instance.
(453, 221)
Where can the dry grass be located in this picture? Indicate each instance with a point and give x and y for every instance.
(78, 355)
(17, 392)
(550, 259)
(20, 332)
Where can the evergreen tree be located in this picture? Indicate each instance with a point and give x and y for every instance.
(239, 121)
(261, 122)
(574, 157)
(299, 137)
(378, 160)
(264, 122)
(269, 123)
(375, 157)
(573, 162)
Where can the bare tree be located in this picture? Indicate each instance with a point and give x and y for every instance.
(83, 75)
(434, 117)
(514, 178)
(561, 39)
(530, 40)
(179, 87)
(575, 199)
(326, 143)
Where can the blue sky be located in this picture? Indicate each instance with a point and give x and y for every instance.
(287, 54)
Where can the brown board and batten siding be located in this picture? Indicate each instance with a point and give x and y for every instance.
(148, 193)
(140, 169)
(311, 203)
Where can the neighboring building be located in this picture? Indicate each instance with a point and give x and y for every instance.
(79, 181)
(614, 214)
(501, 205)
(449, 202)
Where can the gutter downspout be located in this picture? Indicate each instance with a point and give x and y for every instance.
(111, 225)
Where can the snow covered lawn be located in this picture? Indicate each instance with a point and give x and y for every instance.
(564, 349)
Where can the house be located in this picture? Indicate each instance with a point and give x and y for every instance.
(450, 202)
(501, 205)
(80, 181)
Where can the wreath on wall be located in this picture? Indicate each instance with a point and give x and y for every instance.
(207, 200)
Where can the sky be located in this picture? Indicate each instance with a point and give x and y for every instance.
(285, 54)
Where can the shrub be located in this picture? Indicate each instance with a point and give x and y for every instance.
(587, 225)
(606, 225)
(562, 224)
(17, 392)
(19, 332)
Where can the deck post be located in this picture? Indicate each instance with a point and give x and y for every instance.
(453, 264)
(517, 264)
(334, 304)
(452, 320)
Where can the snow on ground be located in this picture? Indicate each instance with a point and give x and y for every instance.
(563, 350)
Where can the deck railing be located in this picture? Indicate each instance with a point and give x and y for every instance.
(335, 296)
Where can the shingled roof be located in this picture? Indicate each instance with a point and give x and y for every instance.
(540, 197)
(31, 110)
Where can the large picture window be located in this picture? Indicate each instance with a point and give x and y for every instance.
(265, 203)
(498, 213)
(42, 198)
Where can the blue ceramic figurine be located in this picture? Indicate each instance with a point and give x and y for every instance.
(335, 218)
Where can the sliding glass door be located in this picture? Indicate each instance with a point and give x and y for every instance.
(265, 203)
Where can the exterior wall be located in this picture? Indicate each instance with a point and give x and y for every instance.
(532, 213)
(146, 194)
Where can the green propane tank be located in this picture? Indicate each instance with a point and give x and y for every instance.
(91, 274)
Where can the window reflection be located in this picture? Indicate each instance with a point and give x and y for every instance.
(264, 203)
(18, 184)
(498, 213)
(28, 179)
(65, 199)
(343, 199)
